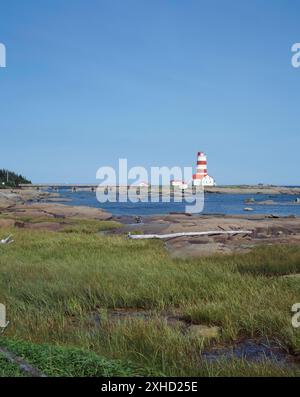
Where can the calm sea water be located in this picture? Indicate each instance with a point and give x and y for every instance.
(214, 204)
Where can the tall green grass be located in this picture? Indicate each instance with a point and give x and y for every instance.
(54, 283)
(8, 369)
(64, 361)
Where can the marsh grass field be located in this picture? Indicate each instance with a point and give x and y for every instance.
(59, 289)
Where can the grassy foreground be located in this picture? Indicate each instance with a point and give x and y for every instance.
(55, 284)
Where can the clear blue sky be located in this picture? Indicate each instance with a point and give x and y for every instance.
(91, 81)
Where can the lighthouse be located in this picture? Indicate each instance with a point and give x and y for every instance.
(201, 178)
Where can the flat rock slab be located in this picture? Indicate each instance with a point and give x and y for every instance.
(188, 247)
(50, 226)
(265, 229)
(59, 211)
(7, 223)
(204, 331)
(10, 197)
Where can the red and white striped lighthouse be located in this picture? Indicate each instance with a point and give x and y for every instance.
(201, 171)
(201, 178)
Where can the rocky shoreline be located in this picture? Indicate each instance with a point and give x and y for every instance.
(11, 197)
(263, 189)
(17, 207)
(265, 230)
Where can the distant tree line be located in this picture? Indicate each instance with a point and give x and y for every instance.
(11, 179)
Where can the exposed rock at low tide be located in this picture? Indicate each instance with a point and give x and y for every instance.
(57, 211)
(204, 331)
(266, 229)
(6, 223)
(11, 197)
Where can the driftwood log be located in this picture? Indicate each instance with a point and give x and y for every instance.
(188, 234)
